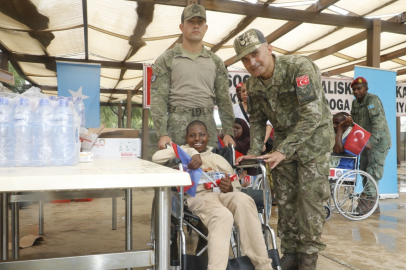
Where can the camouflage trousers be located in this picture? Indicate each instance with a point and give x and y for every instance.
(178, 122)
(300, 190)
(372, 162)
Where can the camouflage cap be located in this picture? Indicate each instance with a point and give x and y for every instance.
(248, 42)
(193, 11)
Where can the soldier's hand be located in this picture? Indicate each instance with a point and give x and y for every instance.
(273, 159)
(228, 140)
(368, 146)
(225, 184)
(347, 122)
(244, 157)
(195, 162)
(163, 141)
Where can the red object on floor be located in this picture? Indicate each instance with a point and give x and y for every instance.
(83, 200)
(60, 201)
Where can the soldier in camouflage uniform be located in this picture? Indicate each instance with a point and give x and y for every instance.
(287, 91)
(367, 111)
(187, 80)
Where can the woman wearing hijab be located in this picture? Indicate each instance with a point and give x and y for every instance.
(241, 136)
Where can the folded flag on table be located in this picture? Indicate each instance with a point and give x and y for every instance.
(194, 174)
(356, 140)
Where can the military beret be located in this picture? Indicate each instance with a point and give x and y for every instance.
(358, 80)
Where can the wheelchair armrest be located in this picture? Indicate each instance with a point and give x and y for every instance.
(173, 163)
(250, 163)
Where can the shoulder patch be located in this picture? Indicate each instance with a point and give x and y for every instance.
(153, 78)
(371, 106)
(302, 80)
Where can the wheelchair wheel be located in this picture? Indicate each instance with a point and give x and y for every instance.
(328, 211)
(356, 195)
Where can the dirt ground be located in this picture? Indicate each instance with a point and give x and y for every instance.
(82, 228)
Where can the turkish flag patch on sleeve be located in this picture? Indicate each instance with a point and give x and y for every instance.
(303, 80)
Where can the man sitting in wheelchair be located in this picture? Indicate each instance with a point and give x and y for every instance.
(219, 209)
(342, 127)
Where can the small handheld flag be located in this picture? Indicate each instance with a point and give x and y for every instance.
(194, 174)
(221, 145)
(356, 140)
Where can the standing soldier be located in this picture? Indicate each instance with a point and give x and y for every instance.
(287, 91)
(367, 111)
(186, 83)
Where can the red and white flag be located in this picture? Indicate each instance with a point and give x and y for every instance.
(356, 140)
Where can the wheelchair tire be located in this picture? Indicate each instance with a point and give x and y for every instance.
(328, 211)
(356, 195)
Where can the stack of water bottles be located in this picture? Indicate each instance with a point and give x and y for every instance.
(39, 131)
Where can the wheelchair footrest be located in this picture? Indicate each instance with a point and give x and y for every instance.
(192, 262)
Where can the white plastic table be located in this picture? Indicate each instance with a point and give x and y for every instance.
(101, 174)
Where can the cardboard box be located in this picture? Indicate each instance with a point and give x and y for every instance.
(119, 133)
(88, 136)
(114, 147)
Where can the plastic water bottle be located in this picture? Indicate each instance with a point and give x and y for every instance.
(6, 138)
(53, 98)
(65, 147)
(43, 120)
(80, 108)
(23, 133)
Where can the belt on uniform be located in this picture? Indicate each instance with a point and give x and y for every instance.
(192, 111)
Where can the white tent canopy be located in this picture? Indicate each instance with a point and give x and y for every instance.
(123, 33)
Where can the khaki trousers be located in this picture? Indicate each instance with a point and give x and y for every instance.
(218, 212)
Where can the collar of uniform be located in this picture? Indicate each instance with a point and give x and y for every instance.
(178, 51)
(278, 73)
(364, 101)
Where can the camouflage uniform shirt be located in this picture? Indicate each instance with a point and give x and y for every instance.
(173, 85)
(295, 104)
(370, 115)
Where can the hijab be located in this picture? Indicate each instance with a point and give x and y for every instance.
(242, 144)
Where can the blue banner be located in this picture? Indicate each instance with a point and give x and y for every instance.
(81, 80)
(383, 84)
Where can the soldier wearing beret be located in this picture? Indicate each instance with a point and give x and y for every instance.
(186, 83)
(287, 91)
(367, 111)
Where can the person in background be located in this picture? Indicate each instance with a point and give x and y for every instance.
(342, 122)
(187, 81)
(367, 111)
(238, 92)
(241, 136)
(240, 111)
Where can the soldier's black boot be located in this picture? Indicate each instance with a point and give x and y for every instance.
(308, 261)
(290, 261)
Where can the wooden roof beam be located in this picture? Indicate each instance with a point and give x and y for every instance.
(401, 72)
(383, 58)
(51, 60)
(270, 12)
(317, 7)
(350, 41)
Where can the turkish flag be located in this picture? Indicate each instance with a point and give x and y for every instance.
(303, 80)
(356, 140)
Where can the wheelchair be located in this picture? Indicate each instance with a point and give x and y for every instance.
(353, 191)
(182, 217)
